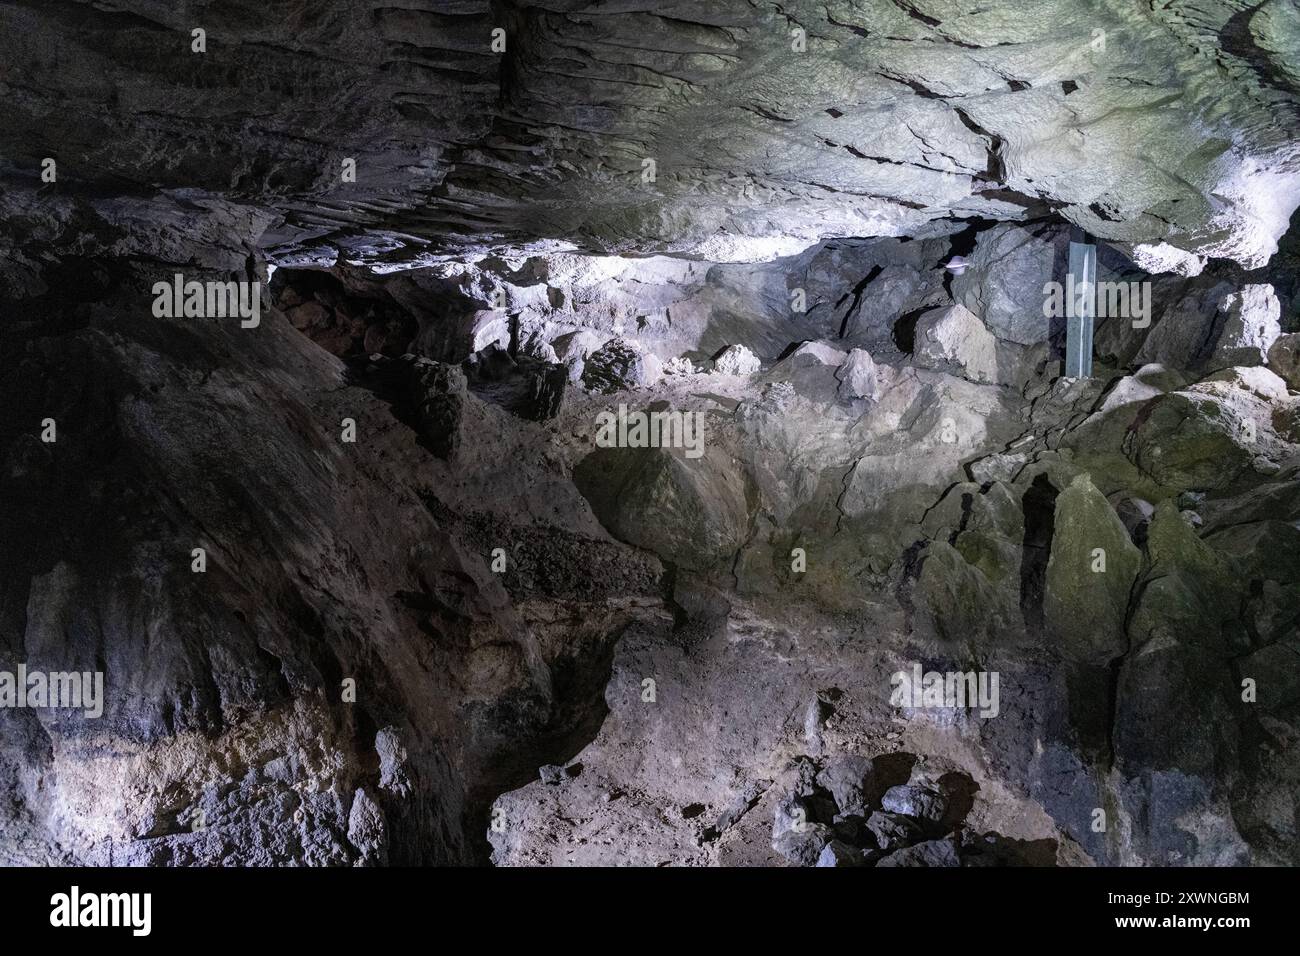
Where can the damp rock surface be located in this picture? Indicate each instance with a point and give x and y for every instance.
(650, 444)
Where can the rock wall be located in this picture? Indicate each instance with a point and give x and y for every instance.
(665, 389)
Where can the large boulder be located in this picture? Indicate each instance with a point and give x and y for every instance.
(479, 330)
(851, 782)
(575, 345)
(902, 278)
(969, 586)
(1178, 335)
(1261, 550)
(1004, 281)
(1277, 679)
(689, 511)
(893, 830)
(1211, 436)
(1188, 592)
(955, 339)
(1210, 322)
(920, 803)
(804, 846)
(619, 365)
(930, 853)
(571, 350)
(1264, 557)
(811, 368)
(957, 601)
(1146, 383)
(1090, 576)
(814, 353)
(1284, 359)
(797, 833)
(839, 853)
(857, 376)
(1250, 327)
(736, 360)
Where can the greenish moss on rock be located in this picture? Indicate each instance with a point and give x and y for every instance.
(1084, 606)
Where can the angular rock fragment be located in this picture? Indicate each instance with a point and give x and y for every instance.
(1004, 282)
(803, 847)
(893, 830)
(919, 803)
(1284, 359)
(954, 338)
(857, 376)
(367, 830)
(619, 365)
(736, 360)
(850, 781)
(838, 853)
(1090, 576)
(814, 353)
(1250, 327)
(929, 853)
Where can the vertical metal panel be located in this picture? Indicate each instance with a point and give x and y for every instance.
(1081, 302)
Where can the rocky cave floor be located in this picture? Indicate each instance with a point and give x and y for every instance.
(442, 622)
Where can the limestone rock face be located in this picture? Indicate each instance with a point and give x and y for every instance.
(991, 114)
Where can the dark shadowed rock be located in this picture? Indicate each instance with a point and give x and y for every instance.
(837, 853)
(851, 783)
(919, 803)
(892, 830)
(929, 853)
(1284, 359)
